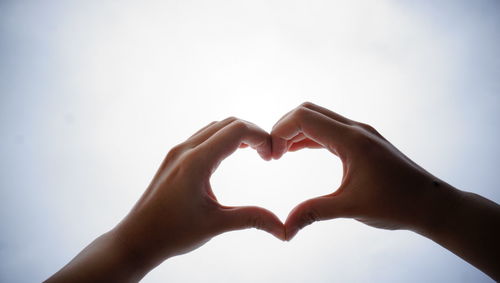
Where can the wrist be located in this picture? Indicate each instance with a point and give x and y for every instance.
(440, 203)
(104, 260)
(124, 263)
(130, 257)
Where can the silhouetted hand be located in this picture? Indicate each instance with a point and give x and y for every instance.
(383, 188)
(380, 187)
(178, 212)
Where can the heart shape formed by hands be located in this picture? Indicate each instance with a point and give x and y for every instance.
(294, 132)
(277, 185)
(380, 187)
(360, 148)
(179, 211)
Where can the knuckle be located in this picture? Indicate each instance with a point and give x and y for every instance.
(362, 140)
(301, 112)
(231, 118)
(307, 104)
(239, 125)
(188, 159)
(368, 128)
(365, 126)
(176, 151)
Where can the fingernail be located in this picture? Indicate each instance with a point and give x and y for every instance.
(277, 156)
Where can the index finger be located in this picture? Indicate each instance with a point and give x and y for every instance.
(224, 142)
(319, 128)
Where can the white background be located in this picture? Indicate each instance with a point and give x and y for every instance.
(94, 93)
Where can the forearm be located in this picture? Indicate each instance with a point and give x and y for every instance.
(103, 260)
(468, 225)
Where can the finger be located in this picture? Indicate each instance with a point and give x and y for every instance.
(228, 139)
(298, 138)
(328, 113)
(317, 127)
(323, 111)
(202, 129)
(295, 139)
(244, 217)
(316, 209)
(307, 143)
(205, 133)
(284, 116)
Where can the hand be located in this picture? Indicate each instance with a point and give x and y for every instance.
(383, 188)
(178, 212)
(380, 187)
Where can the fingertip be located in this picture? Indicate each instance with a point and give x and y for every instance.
(290, 233)
(279, 232)
(300, 217)
(271, 224)
(266, 151)
(254, 217)
(291, 227)
(267, 158)
(265, 155)
(278, 147)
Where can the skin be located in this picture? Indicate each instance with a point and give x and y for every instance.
(381, 187)
(178, 212)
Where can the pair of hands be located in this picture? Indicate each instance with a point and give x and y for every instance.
(179, 212)
(380, 187)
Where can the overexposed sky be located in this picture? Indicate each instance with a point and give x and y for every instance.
(94, 93)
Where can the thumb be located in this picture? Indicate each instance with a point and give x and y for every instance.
(244, 217)
(312, 210)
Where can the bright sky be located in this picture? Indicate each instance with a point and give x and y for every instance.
(94, 93)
